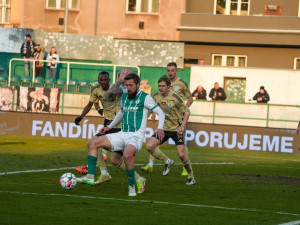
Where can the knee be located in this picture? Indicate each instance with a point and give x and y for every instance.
(115, 161)
(127, 156)
(150, 147)
(181, 155)
(92, 143)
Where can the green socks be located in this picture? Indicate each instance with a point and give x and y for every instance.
(92, 161)
(130, 176)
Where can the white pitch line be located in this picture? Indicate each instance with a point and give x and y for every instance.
(67, 168)
(154, 202)
(291, 223)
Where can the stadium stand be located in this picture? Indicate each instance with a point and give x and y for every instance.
(73, 84)
(15, 81)
(38, 82)
(3, 80)
(50, 82)
(93, 85)
(26, 81)
(84, 86)
(61, 84)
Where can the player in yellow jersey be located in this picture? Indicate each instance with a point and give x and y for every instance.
(176, 116)
(110, 109)
(181, 88)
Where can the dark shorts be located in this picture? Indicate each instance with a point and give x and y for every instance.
(177, 138)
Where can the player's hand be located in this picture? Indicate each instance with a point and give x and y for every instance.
(77, 120)
(103, 130)
(180, 130)
(160, 134)
(153, 117)
(100, 111)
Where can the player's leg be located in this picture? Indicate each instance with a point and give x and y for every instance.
(104, 174)
(104, 154)
(133, 145)
(153, 149)
(186, 163)
(93, 145)
(130, 151)
(140, 181)
(149, 167)
(184, 172)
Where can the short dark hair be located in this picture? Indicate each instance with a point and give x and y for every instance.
(166, 79)
(172, 64)
(104, 73)
(28, 35)
(133, 76)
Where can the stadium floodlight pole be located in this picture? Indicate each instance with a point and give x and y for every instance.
(66, 16)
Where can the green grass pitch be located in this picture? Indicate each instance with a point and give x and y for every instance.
(233, 187)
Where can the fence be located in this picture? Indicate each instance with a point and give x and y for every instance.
(68, 63)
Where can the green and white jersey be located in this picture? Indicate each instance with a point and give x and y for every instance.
(135, 111)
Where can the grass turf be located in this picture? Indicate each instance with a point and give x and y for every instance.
(233, 187)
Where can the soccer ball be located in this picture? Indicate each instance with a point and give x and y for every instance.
(68, 181)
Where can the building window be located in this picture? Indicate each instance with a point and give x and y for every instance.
(61, 4)
(143, 6)
(272, 10)
(229, 60)
(297, 64)
(232, 7)
(5, 9)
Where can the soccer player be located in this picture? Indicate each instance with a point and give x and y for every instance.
(110, 109)
(135, 105)
(174, 127)
(119, 87)
(181, 88)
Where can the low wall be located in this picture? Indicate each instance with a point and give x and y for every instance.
(197, 135)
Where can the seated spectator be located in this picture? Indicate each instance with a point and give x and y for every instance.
(262, 96)
(217, 93)
(199, 93)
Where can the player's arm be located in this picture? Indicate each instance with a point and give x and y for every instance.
(189, 101)
(161, 120)
(118, 118)
(298, 128)
(183, 108)
(99, 110)
(113, 91)
(85, 111)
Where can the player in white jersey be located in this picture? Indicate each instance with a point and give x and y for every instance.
(133, 114)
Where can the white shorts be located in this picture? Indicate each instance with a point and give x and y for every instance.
(120, 140)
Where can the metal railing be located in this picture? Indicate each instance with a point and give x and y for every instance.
(68, 67)
(249, 114)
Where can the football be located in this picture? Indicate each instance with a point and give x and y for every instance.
(68, 181)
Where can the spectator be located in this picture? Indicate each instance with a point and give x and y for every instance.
(217, 93)
(199, 93)
(39, 55)
(27, 50)
(262, 96)
(52, 66)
